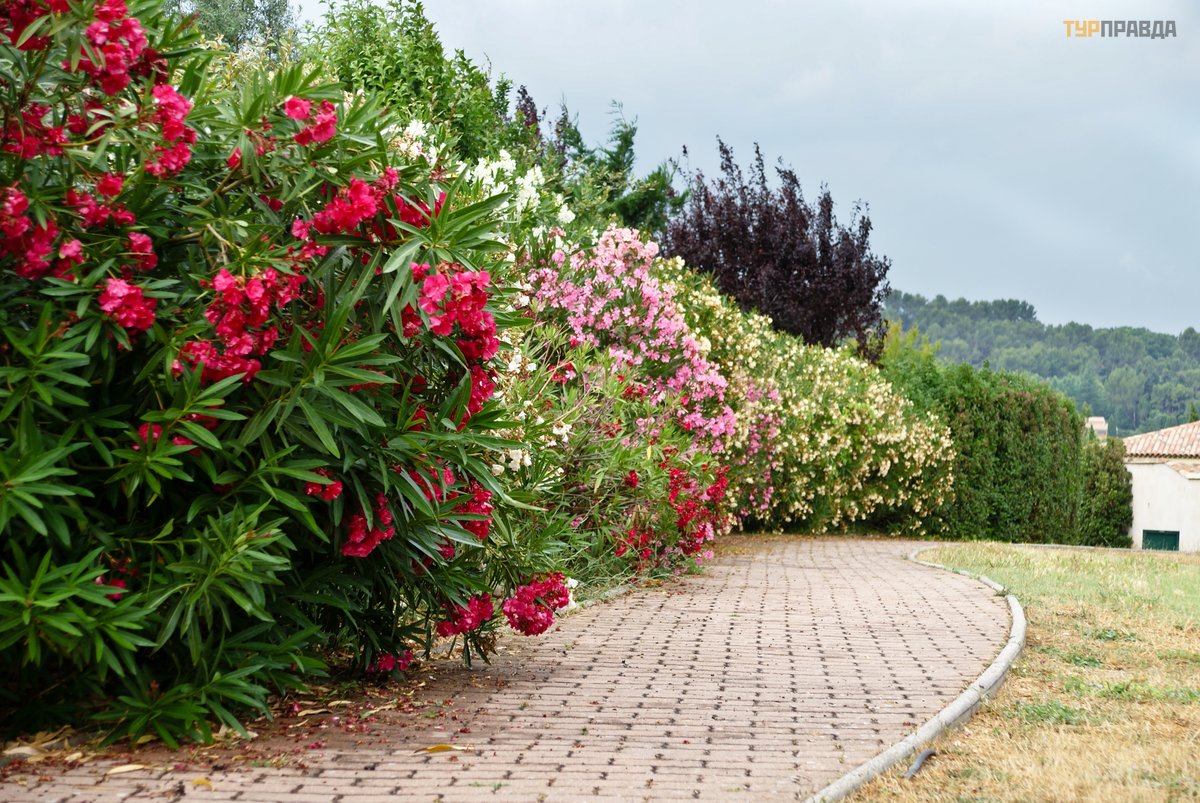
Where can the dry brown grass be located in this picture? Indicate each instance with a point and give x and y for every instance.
(1103, 704)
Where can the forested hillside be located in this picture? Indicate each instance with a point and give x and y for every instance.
(1139, 380)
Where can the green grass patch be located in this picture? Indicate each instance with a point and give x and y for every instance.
(1049, 712)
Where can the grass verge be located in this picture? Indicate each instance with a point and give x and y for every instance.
(1104, 703)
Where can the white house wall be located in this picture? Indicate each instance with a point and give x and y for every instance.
(1165, 500)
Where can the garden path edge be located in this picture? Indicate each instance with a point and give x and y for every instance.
(956, 713)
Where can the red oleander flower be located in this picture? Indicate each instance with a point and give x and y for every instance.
(329, 491)
(362, 540)
(297, 108)
(142, 249)
(110, 185)
(475, 615)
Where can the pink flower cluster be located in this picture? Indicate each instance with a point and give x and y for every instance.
(530, 610)
(759, 454)
(475, 615)
(361, 540)
(612, 300)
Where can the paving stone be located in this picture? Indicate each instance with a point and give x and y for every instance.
(773, 673)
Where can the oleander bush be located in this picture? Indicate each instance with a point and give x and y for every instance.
(247, 381)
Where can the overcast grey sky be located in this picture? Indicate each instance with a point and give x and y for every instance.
(1000, 158)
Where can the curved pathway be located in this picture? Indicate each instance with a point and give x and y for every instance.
(787, 664)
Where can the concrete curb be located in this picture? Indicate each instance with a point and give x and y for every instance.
(954, 714)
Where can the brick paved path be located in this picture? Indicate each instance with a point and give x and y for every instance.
(786, 664)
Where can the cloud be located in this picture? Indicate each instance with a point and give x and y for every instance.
(999, 157)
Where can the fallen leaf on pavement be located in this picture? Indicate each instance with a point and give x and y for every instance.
(443, 748)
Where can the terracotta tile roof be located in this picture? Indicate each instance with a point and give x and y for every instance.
(1180, 441)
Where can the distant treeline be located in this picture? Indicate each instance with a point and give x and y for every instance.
(1139, 380)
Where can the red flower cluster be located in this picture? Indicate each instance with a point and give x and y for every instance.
(479, 502)
(698, 512)
(361, 540)
(120, 567)
(530, 610)
(359, 208)
(124, 303)
(17, 15)
(355, 203)
(141, 248)
(454, 297)
(435, 482)
(563, 373)
(328, 492)
(239, 315)
(639, 541)
(148, 433)
(463, 620)
(28, 136)
(93, 213)
(32, 245)
(631, 479)
(387, 662)
(323, 126)
(176, 149)
(121, 43)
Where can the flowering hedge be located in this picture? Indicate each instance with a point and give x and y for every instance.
(822, 438)
(287, 379)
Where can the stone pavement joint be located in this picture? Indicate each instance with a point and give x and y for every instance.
(787, 664)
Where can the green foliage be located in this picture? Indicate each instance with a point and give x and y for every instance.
(239, 23)
(1139, 380)
(1106, 503)
(1019, 461)
(393, 52)
(645, 204)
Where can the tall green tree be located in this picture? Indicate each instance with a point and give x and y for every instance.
(1106, 504)
(1124, 388)
(240, 22)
